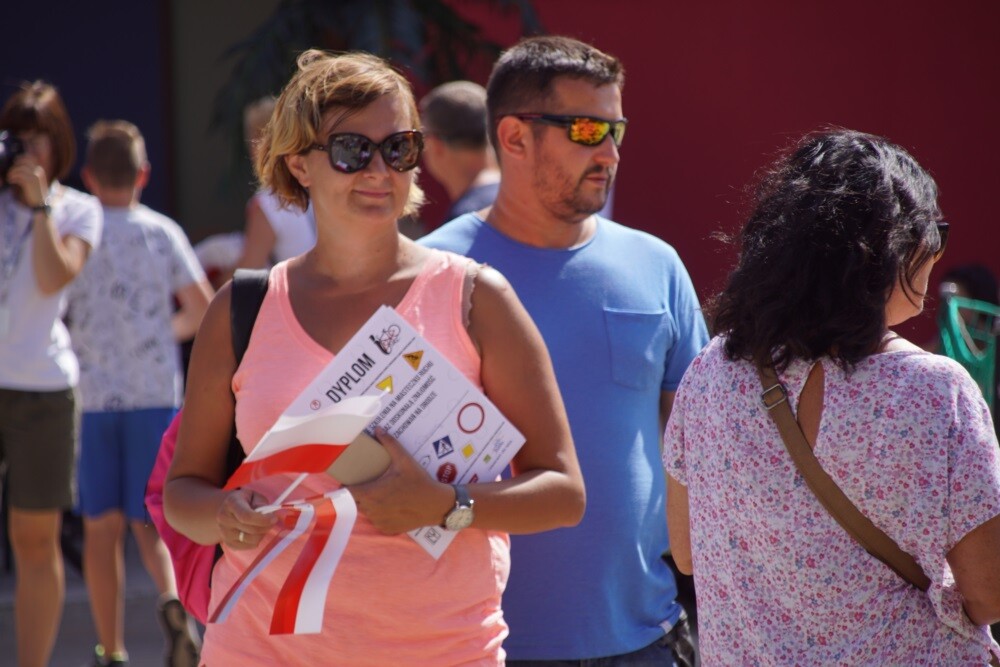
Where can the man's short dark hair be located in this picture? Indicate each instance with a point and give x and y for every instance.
(523, 77)
(116, 153)
(455, 112)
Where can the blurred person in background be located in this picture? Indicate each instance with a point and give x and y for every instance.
(273, 231)
(125, 332)
(47, 232)
(457, 152)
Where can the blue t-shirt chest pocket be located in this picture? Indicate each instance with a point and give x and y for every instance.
(638, 341)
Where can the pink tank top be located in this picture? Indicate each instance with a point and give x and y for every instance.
(389, 601)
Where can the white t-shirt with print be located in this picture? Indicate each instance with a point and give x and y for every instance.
(35, 352)
(120, 309)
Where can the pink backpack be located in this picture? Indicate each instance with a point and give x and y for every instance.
(193, 562)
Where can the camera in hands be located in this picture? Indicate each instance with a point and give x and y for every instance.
(10, 148)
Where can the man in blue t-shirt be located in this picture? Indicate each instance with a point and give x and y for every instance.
(622, 322)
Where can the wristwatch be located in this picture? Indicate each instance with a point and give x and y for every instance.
(45, 207)
(460, 516)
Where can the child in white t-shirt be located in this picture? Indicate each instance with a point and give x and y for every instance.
(125, 331)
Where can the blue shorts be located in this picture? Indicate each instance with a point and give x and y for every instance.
(117, 453)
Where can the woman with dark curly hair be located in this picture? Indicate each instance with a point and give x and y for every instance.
(838, 249)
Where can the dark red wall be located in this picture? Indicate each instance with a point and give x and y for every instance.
(714, 88)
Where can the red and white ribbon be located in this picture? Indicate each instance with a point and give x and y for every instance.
(301, 602)
(309, 458)
(307, 443)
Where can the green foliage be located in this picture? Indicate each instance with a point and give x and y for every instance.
(426, 39)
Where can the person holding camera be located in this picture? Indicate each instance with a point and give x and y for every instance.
(47, 232)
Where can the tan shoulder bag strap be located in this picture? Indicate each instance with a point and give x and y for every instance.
(774, 398)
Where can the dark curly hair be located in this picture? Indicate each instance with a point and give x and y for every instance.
(837, 222)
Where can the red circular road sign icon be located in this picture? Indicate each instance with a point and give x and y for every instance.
(471, 417)
(447, 473)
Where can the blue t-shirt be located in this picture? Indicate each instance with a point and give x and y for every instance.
(472, 200)
(622, 323)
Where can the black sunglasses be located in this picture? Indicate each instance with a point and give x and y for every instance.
(583, 130)
(353, 152)
(942, 228)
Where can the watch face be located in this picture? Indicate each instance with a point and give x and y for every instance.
(458, 518)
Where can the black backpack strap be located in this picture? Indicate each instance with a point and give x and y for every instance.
(248, 290)
(247, 294)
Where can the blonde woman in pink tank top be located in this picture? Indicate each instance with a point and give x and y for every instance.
(344, 138)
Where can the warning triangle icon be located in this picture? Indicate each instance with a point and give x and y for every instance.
(413, 358)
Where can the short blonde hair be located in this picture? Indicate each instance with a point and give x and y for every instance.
(325, 81)
(116, 153)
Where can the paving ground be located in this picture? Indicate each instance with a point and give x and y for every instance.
(76, 640)
(143, 638)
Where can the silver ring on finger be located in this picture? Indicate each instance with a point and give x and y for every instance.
(242, 537)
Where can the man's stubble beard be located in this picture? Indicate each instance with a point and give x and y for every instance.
(570, 203)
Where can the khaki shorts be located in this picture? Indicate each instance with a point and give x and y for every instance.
(39, 431)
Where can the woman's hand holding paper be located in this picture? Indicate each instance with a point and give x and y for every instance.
(404, 497)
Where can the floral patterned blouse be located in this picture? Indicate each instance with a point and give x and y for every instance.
(908, 438)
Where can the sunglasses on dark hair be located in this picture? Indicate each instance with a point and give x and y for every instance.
(350, 153)
(583, 130)
(942, 228)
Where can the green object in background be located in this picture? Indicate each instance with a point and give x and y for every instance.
(968, 334)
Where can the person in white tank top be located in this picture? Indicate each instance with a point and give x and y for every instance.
(272, 232)
(292, 232)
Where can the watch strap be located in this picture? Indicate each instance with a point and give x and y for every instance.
(45, 207)
(462, 498)
(463, 505)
